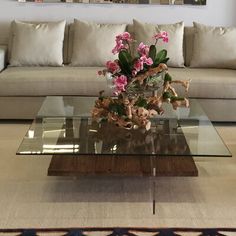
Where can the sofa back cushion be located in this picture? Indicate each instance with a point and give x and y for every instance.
(144, 32)
(26, 38)
(93, 43)
(214, 47)
(70, 39)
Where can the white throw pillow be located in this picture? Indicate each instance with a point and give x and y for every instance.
(144, 32)
(93, 43)
(37, 44)
(214, 47)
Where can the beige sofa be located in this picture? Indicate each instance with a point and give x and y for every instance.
(22, 89)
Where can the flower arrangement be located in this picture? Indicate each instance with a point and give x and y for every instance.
(132, 77)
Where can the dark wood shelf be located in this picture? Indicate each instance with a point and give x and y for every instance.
(121, 166)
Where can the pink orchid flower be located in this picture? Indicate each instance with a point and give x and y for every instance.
(113, 66)
(162, 35)
(143, 49)
(120, 82)
(146, 60)
(124, 37)
(119, 47)
(138, 65)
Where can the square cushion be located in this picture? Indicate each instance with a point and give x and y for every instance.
(38, 44)
(93, 43)
(214, 47)
(144, 32)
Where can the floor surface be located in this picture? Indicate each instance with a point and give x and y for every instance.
(28, 198)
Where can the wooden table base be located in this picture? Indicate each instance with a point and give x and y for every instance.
(121, 166)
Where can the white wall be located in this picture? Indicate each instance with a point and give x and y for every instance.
(217, 12)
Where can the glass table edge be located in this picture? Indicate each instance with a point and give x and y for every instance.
(38, 117)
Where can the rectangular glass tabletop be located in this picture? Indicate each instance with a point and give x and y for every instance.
(64, 126)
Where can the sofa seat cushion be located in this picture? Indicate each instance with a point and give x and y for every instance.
(208, 83)
(43, 81)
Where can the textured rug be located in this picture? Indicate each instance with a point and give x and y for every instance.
(121, 232)
(31, 199)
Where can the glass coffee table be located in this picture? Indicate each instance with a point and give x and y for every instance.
(79, 146)
(64, 129)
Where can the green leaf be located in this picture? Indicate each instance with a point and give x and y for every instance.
(167, 95)
(161, 54)
(167, 77)
(152, 52)
(125, 62)
(165, 60)
(160, 57)
(117, 108)
(141, 102)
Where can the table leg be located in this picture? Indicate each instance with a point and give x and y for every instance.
(154, 184)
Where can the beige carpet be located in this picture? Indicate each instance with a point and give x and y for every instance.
(28, 198)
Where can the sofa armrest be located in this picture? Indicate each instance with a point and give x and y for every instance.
(3, 57)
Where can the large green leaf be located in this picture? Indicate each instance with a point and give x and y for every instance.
(165, 60)
(125, 61)
(153, 52)
(160, 57)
